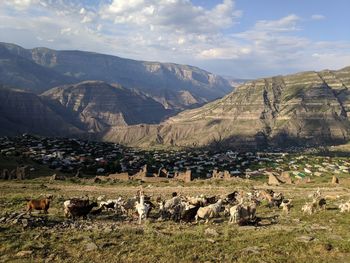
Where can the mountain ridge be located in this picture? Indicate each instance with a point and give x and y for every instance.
(175, 86)
(308, 107)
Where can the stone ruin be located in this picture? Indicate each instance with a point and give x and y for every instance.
(162, 172)
(277, 179)
(113, 177)
(141, 174)
(20, 173)
(225, 175)
(119, 176)
(183, 176)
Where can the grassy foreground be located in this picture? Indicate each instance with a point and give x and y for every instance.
(323, 237)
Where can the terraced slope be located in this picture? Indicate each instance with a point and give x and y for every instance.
(308, 107)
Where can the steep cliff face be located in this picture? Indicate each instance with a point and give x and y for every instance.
(100, 106)
(306, 107)
(175, 86)
(22, 112)
(21, 72)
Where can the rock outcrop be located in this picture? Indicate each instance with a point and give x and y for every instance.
(99, 105)
(24, 112)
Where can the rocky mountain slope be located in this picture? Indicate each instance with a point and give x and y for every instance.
(175, 86)
(309, 107)
(23, 73)
(22, 112)
(98, 105)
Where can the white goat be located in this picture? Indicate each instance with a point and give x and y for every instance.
(234, 213)
(66, 204)
(142, 208)
(209, 211)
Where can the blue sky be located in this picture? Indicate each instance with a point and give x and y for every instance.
(238, 38)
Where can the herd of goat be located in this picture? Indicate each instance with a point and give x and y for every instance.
(239, 206)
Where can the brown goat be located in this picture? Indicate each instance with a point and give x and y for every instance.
(39, 204)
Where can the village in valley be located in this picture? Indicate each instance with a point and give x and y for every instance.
(105, 161)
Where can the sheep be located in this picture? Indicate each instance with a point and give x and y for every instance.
(286, 205)
(241, 213)
(171, 208)
(309, 208)
(197, 201)
(247, 213)
(345, 207)
(142, 208)
(111, 204)
(128, 207)
(209, 211)
(318, 202)
(39, 204)
(78, 211)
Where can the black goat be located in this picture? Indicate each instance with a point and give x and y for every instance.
(81, 211)
(189, 215)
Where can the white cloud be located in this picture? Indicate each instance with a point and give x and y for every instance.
(318, 17)
(172, 31)
(21, 4)
(178, 15)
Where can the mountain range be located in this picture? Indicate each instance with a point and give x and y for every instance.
(305, 108)
(76, 93)
(176, 87)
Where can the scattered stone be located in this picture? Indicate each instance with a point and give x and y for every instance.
(90, 246)
(335, 237)
(108, 244)
(305, 239)
(50, 258)
(107, 230)
(252, 250)
(273, 180)
(211, 232)
(318, 227)
(24, 222)
(211, 240)
(24, 253)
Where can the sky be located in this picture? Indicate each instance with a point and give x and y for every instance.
(238, 38)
